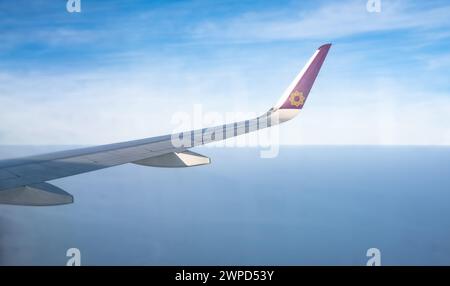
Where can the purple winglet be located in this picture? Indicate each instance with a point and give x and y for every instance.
(300, 92)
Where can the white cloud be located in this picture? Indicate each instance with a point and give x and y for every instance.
(392, 114)
(115, 106)
(331, 21)
(438, 61)
(103, 106)
(108, 106)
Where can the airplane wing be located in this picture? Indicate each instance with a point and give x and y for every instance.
(23, 180)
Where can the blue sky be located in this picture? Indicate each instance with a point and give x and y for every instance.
(119, 69)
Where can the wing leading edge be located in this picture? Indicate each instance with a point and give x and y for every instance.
(22, 180)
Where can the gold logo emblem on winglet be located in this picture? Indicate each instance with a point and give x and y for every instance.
(296, 98)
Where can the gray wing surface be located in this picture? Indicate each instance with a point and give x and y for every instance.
(35, 169)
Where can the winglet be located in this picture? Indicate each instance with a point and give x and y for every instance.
(296, 94)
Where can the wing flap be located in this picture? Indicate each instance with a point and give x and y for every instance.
(42, 194)
(175, 160)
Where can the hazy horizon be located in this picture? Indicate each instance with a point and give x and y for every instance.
(309, 205)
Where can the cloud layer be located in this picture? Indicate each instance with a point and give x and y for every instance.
(120, 72)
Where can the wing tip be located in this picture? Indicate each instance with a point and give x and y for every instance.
(325, 46)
